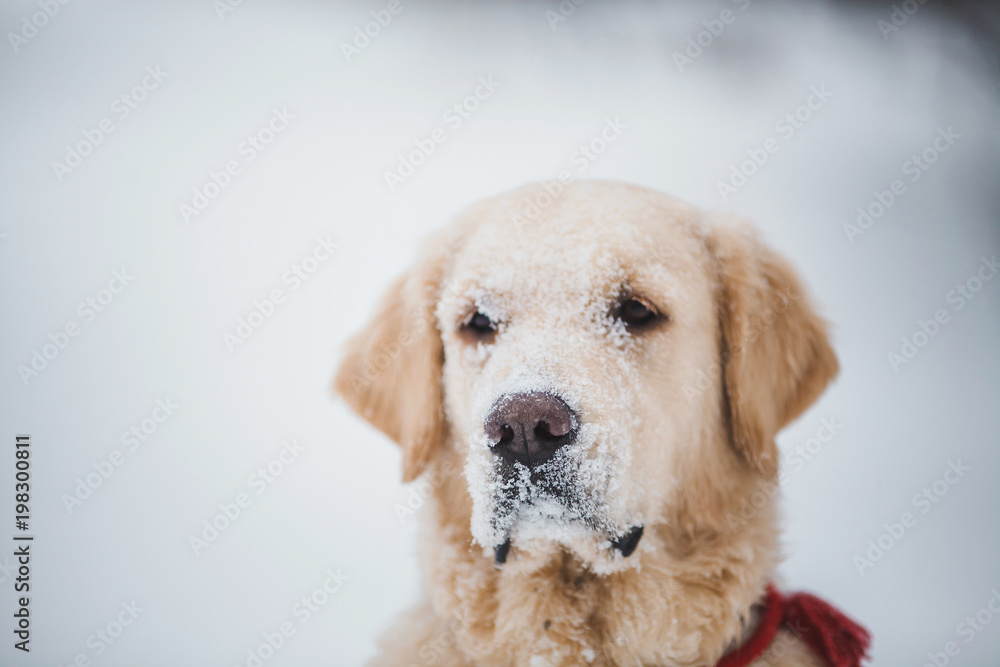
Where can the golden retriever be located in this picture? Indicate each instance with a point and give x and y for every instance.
(593, 393)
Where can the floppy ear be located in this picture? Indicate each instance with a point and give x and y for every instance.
(777, 358)
(391, 371)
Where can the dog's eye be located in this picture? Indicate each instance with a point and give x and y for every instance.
(635, 313)
(479, 325)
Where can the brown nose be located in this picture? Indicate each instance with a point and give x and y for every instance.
(529, 427)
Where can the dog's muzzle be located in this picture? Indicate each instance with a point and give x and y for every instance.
(625, 544)
(529, 428)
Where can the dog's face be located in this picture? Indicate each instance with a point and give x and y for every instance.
(589, 366)
(567, 346)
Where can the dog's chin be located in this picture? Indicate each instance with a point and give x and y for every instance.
(543, 530)
(524, 517)
(533, 546)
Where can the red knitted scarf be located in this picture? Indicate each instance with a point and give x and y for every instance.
(833, 636)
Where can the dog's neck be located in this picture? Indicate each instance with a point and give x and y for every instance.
(688, 599)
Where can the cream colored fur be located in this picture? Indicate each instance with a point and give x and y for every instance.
(679, 455)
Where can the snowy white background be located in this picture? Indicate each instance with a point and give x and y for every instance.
(333, 506)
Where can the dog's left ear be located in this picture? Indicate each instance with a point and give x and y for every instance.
(777, 358)
(391, 371)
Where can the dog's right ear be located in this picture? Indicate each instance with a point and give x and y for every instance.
(391, 372)
(777, 357)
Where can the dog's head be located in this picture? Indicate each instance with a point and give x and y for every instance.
(596, 365)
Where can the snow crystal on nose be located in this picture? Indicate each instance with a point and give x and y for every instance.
(560, 498)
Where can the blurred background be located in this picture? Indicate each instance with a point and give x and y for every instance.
(202, 200)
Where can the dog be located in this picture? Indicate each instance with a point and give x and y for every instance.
(592, 394)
